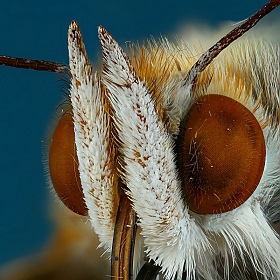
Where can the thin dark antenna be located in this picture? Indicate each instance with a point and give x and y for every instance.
(40, 65)
(237, 32)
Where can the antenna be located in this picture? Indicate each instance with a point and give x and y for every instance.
(39, 65)
(237, 32)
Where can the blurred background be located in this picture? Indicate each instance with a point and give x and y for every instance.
(28, 99)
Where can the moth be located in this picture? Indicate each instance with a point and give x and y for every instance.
(174, 161)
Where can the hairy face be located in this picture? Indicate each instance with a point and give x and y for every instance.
(174, 160)
(192, 162)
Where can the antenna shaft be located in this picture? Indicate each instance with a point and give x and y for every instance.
(40, 65)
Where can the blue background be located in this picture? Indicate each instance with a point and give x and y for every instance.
(28, 99)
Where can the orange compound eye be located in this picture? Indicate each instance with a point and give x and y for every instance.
(63, 165)
(222, 154)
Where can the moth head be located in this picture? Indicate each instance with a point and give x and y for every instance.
(173, 160)
(181, 149)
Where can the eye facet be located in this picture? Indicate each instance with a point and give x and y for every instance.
(222, 154)
(63, 166)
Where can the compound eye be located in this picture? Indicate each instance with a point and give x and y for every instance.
(63, 166)
(222, 154)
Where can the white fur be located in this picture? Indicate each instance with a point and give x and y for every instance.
(91, 135)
